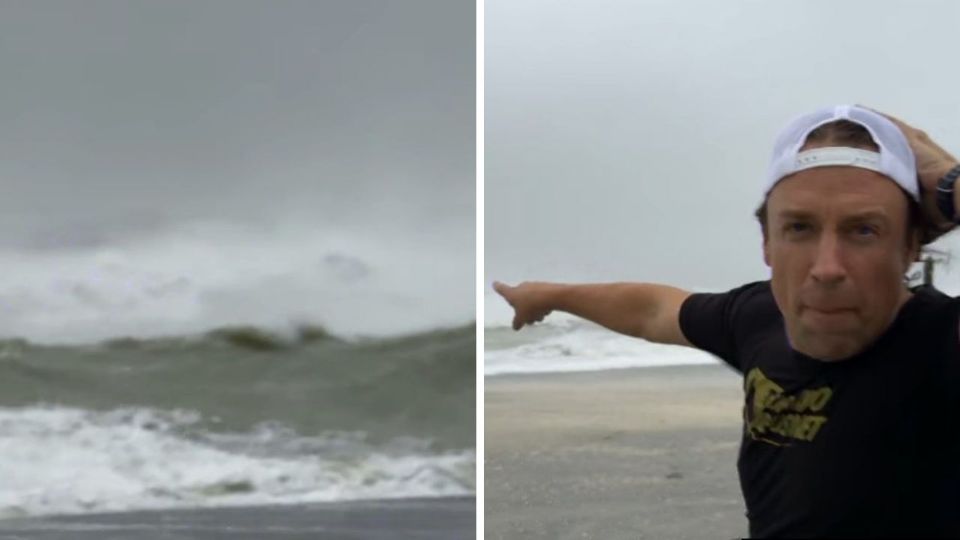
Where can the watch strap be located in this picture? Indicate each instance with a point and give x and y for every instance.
(945, 198)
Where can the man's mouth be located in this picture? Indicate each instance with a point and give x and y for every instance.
(830, 310)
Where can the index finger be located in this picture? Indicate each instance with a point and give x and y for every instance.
(503, 290)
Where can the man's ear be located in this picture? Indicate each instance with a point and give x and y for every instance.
(766, 250)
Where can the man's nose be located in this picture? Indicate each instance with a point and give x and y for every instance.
(828, 263)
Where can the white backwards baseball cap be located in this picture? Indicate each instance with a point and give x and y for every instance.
(894, 160)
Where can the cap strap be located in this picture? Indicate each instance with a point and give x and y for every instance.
(837, 155)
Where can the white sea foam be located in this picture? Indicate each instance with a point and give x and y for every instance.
(564, 344)
(59, 460)
(203, 275)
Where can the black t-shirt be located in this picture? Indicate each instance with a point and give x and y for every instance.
(868, 446)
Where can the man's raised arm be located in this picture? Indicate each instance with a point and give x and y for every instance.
(643, 310)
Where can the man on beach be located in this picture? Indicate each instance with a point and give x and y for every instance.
(851, 380)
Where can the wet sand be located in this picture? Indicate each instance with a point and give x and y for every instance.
(639, 453)
(403, 519)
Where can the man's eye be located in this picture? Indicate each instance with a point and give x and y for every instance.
(797, 227)
(865, 230)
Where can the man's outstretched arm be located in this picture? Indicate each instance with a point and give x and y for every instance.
(643, 310)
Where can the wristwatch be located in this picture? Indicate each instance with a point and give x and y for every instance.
(945, 194)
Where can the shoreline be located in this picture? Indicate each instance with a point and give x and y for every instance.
(633, 370)
(422, 518)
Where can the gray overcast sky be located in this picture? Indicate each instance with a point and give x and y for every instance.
(626, 140)
(127, 112)
(121, 121)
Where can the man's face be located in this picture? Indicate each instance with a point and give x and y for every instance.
(836, 244)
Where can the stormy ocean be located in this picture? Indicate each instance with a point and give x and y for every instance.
(117, 419)
(238, 416)
(565, 343)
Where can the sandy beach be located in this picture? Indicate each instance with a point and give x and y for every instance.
(637, 453)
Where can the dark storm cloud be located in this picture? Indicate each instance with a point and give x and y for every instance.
(120, 117)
